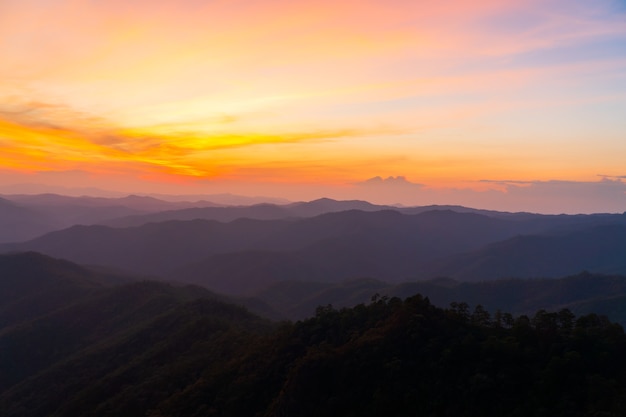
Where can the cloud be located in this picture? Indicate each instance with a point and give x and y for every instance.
(399, 181)
(614, 177)
(552, 196)
(510, 88)
(39, 114)
(36, 136)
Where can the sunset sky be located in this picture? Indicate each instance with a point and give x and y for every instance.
(505, 104)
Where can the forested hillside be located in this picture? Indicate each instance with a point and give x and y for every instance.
(147, 349)
(582, 293)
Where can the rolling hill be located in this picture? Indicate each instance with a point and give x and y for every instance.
(599, 249)
(155, 350)
(349, 242)
(242, 256)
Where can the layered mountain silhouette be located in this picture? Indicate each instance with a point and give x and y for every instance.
(24, 217)
(401, 311)
(19, 223)
(245, 255)
(266, 211)
(350, 242)
(599, 249)
(33, 285)
(154, 349)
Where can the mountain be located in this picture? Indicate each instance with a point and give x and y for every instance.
(152, 248)
(32, 284)
(582, 293)
(346, 243)
(19, 223)
(599, 249)
(242, 256)
(262, 211)
(28, 216)
(328, 205)
(221, 214)
(244, 272)
(224, 199)
(313, 208)
(56, 315)
(383, 245)
(135, 202)
(131, 326)
(146, 349)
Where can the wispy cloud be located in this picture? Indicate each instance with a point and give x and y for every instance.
(518, 89)
(613, 177)
(36, 136)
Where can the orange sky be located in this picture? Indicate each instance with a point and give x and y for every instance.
(253, 96)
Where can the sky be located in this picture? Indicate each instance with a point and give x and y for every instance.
(515, 105)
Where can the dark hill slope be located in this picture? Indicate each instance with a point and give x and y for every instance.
(51, 309)
(391, 358)
(150, 336)
(582, 293)
(32, 284)
(34, 345)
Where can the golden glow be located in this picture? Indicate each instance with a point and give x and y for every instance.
(314, 92)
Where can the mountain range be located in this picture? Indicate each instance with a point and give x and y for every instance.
(26, 216)
(350, 239)
(108, 346)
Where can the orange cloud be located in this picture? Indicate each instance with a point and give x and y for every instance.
(318, 90)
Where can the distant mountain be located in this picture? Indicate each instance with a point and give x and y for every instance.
(257, 211)
(34, 188)
(348, 243)
(294, 210)
(221, 214)
(395, 247)
(328, 205)
(28, 216)
(599, 249)
(135, 202)
(225, 199)
(19, 223)
(245, 255)
(152, 248)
